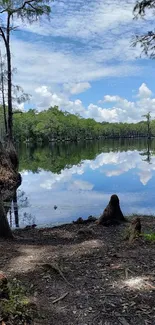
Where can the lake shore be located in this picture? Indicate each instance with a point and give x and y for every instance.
(98, 276)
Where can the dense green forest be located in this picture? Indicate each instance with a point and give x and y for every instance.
(56, 125)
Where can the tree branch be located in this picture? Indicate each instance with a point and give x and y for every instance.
(3, 35)
(141, 6)
(28, 2)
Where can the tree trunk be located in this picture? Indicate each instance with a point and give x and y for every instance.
(3, 96)
(8, 52)
(15, 206)
(5, 230)
(4, 108)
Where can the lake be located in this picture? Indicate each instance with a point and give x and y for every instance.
(65, 181)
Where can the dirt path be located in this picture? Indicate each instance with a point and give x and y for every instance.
(100, 278)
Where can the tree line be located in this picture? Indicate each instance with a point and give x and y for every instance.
(56, 125)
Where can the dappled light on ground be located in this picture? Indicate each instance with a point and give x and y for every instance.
(26, 259)
(138, 283)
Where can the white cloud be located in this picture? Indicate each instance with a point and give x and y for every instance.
(71, 50)
(123, 110)
(111, 99)
(80, 185)
(144, 91)
(68, 53)
(77, 88)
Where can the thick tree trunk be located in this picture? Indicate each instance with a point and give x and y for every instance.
(10, 179)
(5, 230)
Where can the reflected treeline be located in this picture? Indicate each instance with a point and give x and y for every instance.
(148, 152)
(56, 157)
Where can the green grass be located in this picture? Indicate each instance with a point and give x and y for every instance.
(17, 307)
(150, 236)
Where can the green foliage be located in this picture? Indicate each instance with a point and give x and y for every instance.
(146, 40)
(17, 307)
(150, 237)
(30, 10)
(54, 124)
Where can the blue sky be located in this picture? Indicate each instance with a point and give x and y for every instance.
(82, 61)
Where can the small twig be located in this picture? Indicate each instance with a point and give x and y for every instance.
(60, 298)
(150, 285)
(123, 321)
(57, 269)
(127, 270)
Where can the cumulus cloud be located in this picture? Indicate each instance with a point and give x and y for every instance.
(119, 110)
(144, 91)
(69, 49)
(78, 88)
(110, 99)
(80, 185)
(61, 58)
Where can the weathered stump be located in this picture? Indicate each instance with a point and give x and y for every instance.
(134, 230)
(112, 215)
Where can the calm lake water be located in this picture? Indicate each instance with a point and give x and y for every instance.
(80, 178)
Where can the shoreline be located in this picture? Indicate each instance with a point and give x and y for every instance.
(56, 141)
(80, 221)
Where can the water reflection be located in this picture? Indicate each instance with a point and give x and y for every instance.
(79, 179)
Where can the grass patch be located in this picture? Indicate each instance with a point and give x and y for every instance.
(16, 309)
(150, 236)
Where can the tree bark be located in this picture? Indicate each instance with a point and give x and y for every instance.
(8, 52)
(15, 206)
(112, 214)
(3, 96)
(5, 230)
(10, 179)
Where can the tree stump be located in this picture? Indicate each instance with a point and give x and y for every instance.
(134, 229)
(112, 215)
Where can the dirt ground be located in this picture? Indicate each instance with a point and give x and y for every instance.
(101, 278)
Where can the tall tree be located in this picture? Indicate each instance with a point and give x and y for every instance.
(2, 88)
(18, 94)
(148, 120)
(147, 39)
(30, 10)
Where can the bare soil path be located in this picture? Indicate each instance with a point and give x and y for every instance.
(90, 277)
